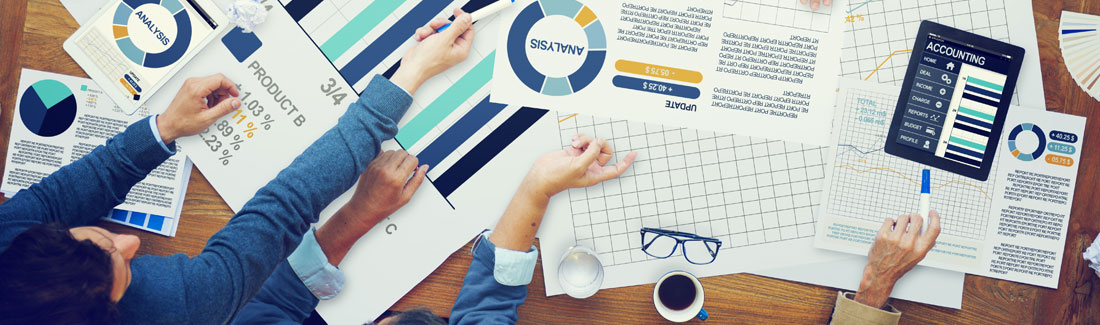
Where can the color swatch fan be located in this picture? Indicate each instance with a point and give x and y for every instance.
(1080, 41)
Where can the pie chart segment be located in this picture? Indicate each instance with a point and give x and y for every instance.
(47, 108)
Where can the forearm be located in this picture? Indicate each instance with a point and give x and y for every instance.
(271, 224)
(517, 227)
(874, 289)
(339, 234)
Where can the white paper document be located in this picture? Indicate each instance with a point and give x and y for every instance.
(755, 195)
(757, 68)
(1010, 227)
(299, 71)
(58, 119)
(879, 37)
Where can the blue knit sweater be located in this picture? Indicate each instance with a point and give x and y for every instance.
(211, 287)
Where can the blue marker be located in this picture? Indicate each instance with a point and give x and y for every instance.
(485, 11)
(925, 195)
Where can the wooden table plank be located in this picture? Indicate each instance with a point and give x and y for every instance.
(31, 33)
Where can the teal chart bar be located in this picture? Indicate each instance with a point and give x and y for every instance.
(446, 103)
(358, 27)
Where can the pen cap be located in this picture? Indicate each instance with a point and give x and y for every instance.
(925, 179)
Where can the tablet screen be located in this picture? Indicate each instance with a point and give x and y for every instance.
(138, 42)
(954, 99)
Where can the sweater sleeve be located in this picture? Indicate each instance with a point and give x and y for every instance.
(284, 299)
(483, 299)
(87, 189)
(238, 259)
(848, 311)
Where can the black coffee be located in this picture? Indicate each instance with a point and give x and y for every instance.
(677, 292)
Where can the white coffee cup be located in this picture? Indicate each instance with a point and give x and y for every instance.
(694, 310)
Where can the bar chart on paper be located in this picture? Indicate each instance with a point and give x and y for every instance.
(879, 35)
(451, 126)
(869, 184)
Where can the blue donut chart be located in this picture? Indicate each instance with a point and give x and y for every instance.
(1038, 149)
(154, 60)
(526, 72)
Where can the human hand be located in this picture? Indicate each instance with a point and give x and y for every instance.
(199, 103)
(898, 247)
(814, 4)
(385, 187)
(582, 164)
(436, 52)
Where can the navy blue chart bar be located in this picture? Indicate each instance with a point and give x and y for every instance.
(471, 6)
(657, 87)
(459, 132)
(963, 159)
(391, 39)
(979, 99)
(974, 121)
(487, 149)
(971, 129)
(300, 8)
(968, 152)
(980, 91)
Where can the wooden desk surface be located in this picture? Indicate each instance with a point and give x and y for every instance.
(31, 33)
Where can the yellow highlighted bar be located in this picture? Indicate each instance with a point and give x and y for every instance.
(1059, 160)
(127, 85)
(658, 71)
(585, 17)
(120, 31)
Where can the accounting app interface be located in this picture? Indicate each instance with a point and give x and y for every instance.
(953, 101)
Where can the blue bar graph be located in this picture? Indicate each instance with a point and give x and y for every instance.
(446, 103)
(459, 132)
(391, 39)
(357, 27)
(487, 149)
(471, 6)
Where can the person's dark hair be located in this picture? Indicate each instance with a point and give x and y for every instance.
(49, 277)
(418, 316)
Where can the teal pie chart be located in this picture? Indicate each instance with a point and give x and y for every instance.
(47, 108)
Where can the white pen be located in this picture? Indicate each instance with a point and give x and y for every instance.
(485, 11)
(925, 195)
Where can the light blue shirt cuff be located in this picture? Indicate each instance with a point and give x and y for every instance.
(156, 134)
(311, 265)
(512, 268)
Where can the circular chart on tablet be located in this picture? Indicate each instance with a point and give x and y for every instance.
(152, 33)
(556, 48)
(47, 108)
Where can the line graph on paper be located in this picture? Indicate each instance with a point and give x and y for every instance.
(869, 184)
(778, 12)
(744, 191)
(878, 44)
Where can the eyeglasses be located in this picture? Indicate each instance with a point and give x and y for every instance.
(697, 249)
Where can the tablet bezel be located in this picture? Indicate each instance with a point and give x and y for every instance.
(973, 40)
(123, 99)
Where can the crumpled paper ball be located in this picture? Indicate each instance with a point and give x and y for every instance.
(1092, 254)
(247, 14)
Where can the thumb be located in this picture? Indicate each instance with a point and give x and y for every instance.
(224, 107)
(414, 182)
(460, 25)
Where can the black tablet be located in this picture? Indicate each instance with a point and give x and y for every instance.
(954, 100)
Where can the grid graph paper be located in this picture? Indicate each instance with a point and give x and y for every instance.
(744, 191)
(879, 34)
(869, 184)
(779, 13)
